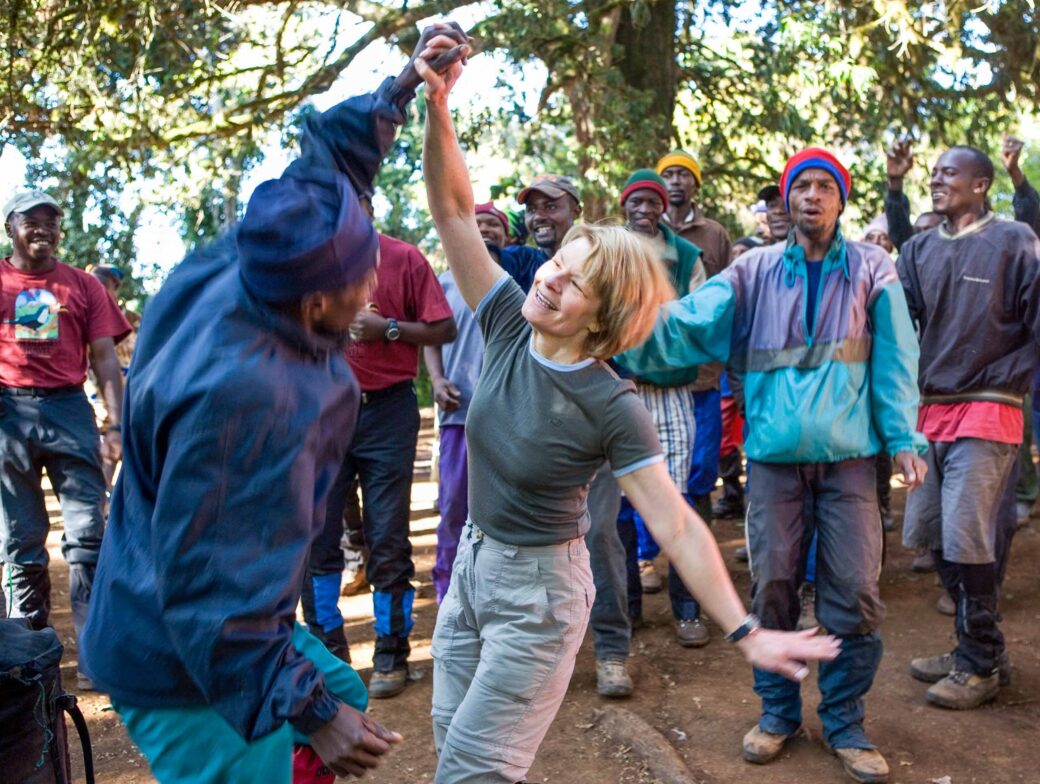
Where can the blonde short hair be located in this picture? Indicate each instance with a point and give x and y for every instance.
(630, 280)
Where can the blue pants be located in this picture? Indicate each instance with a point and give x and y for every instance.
(842, 498)
(57, 433)
(704, 468)
(638, 542)
(196, 745)
(381, 458)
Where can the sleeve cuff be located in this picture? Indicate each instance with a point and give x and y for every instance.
(649, 461)
(318, 712)
(395, 95)
(917, 443)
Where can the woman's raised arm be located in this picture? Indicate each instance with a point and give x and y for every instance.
(448, 188)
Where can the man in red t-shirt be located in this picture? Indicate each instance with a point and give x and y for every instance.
(408, 310)
(50, 315)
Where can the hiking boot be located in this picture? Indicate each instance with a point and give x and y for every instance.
(888, 523)
(807, 617)
(383, 685)
(944, 605)
(741, 554)
(354, 584)
(648, 577)
(933, 669)
(923, 563)
(761, 747)
(692, 634)
(83, 683)
(726, 509)
(963, 690)
(864, 765)
(612, 678)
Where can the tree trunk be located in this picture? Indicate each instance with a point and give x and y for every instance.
(646, 33)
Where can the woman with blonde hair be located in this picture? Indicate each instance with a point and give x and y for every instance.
(547, 413)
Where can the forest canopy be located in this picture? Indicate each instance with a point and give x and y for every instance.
(187, 96)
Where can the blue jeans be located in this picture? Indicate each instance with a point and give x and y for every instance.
(835, 503)
(381, 458)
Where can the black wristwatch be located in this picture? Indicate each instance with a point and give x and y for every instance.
(393, 330)
(750, 624)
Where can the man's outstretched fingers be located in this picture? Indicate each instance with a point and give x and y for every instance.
(383, 732)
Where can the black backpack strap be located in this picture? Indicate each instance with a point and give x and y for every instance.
(67, 702)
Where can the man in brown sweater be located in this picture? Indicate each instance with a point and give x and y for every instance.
(682, 176)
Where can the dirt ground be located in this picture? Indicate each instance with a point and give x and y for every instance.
(701, 700)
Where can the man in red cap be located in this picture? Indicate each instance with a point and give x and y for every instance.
(819, 329)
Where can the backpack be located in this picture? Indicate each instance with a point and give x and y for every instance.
(34, 743)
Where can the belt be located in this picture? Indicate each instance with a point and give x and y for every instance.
(981, 396)
(40, 391)
(368, 397)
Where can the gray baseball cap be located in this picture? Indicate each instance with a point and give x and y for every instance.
(552, 185)
(26, 200)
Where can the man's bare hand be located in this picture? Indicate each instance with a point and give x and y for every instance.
(447, 395)
(449, 33)
(899, 159)
(1010, 152)
(352, 742)
(912, 467)
(368, 325)
(112, 446)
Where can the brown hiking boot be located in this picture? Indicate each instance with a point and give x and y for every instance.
(383, 685)
(692, 634)
(932, 669)
(864, 765)
(612, 678)
(964, 690)
(761, 747)
(945, 605)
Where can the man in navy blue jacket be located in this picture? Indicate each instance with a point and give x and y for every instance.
(240, 408)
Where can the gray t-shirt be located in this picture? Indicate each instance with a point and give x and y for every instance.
(538, 431)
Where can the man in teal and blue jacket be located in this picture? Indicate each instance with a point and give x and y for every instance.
(820, 332)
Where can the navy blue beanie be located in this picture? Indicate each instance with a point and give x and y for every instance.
(302, 233)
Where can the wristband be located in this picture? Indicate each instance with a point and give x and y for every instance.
(750, 624)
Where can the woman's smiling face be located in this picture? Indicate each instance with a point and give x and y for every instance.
(561, 302)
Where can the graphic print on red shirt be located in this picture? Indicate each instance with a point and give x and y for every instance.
(46, 321)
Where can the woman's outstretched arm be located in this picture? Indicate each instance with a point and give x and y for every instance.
(448, 188)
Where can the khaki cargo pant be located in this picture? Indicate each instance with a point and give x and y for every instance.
(504, 647)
